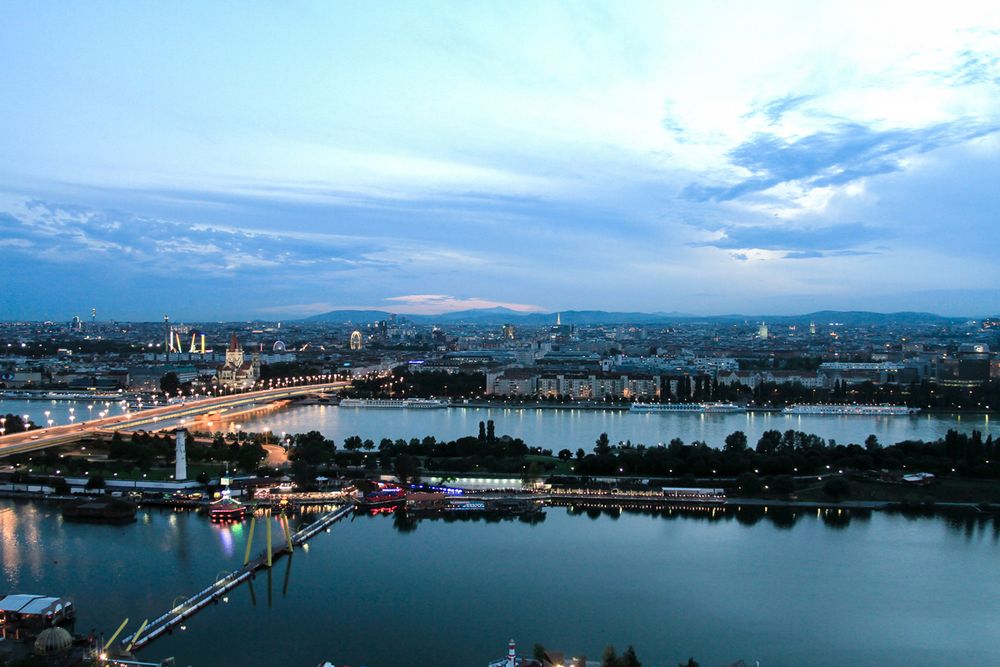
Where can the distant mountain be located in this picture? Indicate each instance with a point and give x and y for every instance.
(499, 315)
(862, 317)
(354, 316)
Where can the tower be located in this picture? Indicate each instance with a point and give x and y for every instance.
(762, 331)
(180, 469)
(166, 336)
(558, 319)
(511, 654)
(234, 353)
(356, 340)
(812, 328)
(93, 314)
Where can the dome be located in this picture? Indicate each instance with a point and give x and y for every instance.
(279, 346)
(52, 641)
(973, 348)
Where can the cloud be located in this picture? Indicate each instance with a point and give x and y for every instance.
(757, 242)
(845, 153)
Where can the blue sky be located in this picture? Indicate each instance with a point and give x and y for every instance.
(236, 161)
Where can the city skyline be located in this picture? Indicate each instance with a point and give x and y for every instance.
(423, 158)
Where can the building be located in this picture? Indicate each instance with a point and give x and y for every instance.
(237, 372)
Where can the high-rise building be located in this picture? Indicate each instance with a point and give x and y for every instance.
(762, 331)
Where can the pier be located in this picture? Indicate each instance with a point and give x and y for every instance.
(213, 593)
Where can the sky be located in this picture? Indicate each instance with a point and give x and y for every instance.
(233, 161)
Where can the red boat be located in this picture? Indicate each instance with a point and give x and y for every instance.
(385, 496)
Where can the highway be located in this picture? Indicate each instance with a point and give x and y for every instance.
(27, 441)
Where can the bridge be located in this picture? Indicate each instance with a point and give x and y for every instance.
(42, 438)
(212, 593)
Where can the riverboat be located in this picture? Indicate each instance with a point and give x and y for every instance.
(847, 409)
(686, 407)
(395, 403)
(103, 510)
(227, 510)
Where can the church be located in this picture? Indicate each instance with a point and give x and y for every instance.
(237, 372)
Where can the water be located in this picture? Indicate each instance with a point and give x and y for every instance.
(59, 411)
(558, 429)
(555, 429)
(785, 588)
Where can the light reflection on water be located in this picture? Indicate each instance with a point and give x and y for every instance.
(557, 429)
(722, 583)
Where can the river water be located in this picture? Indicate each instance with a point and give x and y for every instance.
(555, 429)
(786, 588)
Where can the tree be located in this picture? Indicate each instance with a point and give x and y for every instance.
(539, 651)
(872, 444)
(690, 663)
(609, 657)
(603, 445)
(170, 383)
(736, 442)
(406, 467)
(482, 431)
(95, 483)
(748, 483)
(565, 455)
(629, 659)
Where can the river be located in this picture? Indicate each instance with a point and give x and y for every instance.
(788, 588)
(556, 429)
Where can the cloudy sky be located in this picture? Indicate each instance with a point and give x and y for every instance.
(239, 161)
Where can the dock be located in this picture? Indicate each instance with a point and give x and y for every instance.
(213, 593)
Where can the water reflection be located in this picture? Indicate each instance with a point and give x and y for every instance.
(780, 516)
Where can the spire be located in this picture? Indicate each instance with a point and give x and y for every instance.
(558, 319)
(234, 345)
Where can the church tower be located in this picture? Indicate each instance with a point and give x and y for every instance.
(234, 354)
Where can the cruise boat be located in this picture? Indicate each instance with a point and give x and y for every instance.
(394, 403)
(846, 409)
(686, 407)
(227, 509)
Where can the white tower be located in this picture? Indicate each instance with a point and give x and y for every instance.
(762, 331)
(511, 654)
(181, 470)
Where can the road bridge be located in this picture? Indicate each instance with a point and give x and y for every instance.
(42, 438)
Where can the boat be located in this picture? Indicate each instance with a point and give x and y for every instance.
(394, 403)
(686, 407)
(106, 510)
(846, 409)
(227, 509)
(386, 495)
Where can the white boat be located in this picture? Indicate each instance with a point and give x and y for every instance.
(394, 403)
(847, 409)
(686, 407)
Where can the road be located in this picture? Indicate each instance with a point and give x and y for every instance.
(42, 438)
